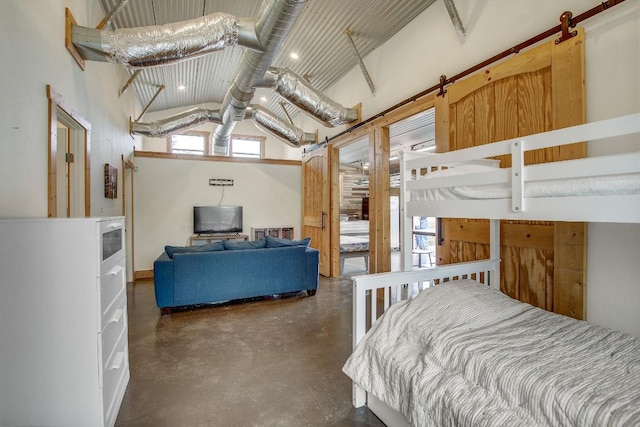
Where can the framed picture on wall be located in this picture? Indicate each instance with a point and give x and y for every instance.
(110, 181)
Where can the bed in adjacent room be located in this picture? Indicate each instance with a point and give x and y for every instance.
(354, 242)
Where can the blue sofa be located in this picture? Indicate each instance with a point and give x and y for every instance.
(233, 270)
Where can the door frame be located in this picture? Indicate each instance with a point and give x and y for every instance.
(379, 229)
(128, 168)
(59, 111)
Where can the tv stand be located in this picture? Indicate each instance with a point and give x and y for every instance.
(203, 239)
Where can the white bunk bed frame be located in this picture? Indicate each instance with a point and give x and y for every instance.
(397, 286)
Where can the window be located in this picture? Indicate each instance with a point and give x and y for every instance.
(247, 146)
(192, 142)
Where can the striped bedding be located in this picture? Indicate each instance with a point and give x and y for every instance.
(464, 354)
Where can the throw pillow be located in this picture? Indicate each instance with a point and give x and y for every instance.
(210, 247)
(274, 242)
(231, 245)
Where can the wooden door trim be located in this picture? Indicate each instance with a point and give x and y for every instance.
(55, 101)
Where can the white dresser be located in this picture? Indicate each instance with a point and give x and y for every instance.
(63, 321)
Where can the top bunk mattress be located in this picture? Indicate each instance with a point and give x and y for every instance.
(465, 354)
(621, 184)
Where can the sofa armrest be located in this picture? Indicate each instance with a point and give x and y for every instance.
(163, 280)
(313, 260)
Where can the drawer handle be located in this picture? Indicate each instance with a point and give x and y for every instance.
(117, 363)
(116, 316)
(115, 270)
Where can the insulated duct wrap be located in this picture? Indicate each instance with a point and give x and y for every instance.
(289, 133)
(177, 123)
(275, 19)
(166, 44)
(299, 92)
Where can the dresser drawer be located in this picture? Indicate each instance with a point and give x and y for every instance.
(112, 244)
(115, 376)
(112, 284)
(114, 327)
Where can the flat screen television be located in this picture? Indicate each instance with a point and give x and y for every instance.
(217, 219)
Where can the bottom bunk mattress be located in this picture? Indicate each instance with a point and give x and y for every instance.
(462, 353)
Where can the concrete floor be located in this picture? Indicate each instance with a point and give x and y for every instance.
(262, 363)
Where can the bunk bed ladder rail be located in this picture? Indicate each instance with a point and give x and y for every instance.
(517, 176)
(373, 294)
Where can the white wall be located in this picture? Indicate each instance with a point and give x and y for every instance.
(414, 59)
(167, 190)
(274, 147)
(33, 55)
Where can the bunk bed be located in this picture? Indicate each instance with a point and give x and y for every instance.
(463, 353)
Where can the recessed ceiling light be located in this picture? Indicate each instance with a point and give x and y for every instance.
(263, 98)
(294, 55)
(182, 87)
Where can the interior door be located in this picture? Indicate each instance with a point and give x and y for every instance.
(63, 175)
(538, 90)
(316, 204)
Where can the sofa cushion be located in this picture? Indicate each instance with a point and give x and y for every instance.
(214, 246)
(274, 242)
(231, 245)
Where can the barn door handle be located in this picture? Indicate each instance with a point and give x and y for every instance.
(324, 214)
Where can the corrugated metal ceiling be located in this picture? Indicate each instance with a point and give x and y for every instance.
(414, 132)
(317, 36)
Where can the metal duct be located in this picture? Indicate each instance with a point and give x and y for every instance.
(300, 93)
(166, 44)
(273, 24)
(273, 124)
(174, 124)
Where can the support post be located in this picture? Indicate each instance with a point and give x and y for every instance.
(455, 20)
(494, 251)
(111, 14)
(358, 58)
(160, 89)
(128, 83)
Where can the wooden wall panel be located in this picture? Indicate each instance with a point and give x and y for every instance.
(510, 271)
(533, 277)
(485, 113)
(506, 122)
(569, 108)
(380, 210)
(539, 90)
(534, 101)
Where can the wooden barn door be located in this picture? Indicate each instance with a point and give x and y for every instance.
(536, 91)
(316, 204)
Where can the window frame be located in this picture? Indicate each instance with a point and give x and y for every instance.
(205, 135)
(262, 140)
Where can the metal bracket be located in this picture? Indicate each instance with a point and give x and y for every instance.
(443, 81)
(565, 23)
(221, 182)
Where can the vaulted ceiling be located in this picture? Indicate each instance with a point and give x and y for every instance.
(318, 37)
